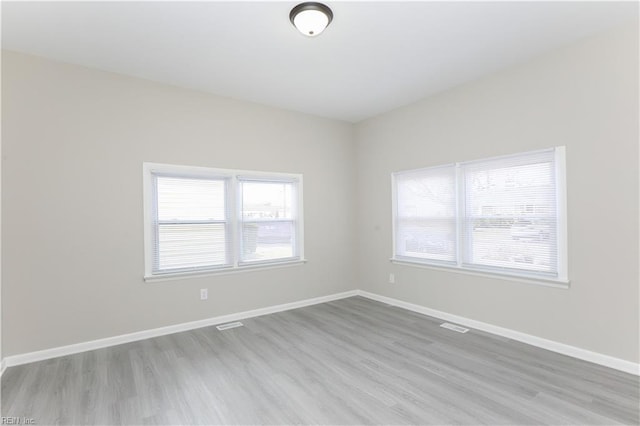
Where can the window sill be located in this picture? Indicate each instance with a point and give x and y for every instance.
(225, 271)
(555, 283)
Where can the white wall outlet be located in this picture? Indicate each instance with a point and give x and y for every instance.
(392, 278)
(204, 294)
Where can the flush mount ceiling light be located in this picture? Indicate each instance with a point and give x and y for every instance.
(311, 18)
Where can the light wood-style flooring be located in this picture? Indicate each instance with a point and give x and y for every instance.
(352, 361)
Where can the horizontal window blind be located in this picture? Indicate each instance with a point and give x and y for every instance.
(510, 213)
(426, 214)
(191, 223)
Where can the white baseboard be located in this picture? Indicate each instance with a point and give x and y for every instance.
(26, 358)
(572, 351)
(584, 354)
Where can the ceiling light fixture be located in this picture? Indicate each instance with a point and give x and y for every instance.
(311, 18)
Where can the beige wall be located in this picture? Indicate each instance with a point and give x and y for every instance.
(74, 141)
(585, 97)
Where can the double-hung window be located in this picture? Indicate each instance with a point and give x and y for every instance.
(426, 215)
(200, 220)
(190, 222)
(504, 215)
(268, 219)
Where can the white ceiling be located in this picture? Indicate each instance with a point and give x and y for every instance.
(374, 57)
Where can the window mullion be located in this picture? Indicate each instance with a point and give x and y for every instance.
(460, 215)
(156, 225)
(232, 212)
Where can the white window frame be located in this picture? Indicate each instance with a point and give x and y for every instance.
(149, 170)
(241, 221)
(561, 279)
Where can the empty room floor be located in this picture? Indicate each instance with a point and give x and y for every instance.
(351, 361)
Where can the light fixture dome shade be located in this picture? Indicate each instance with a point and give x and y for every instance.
(311, 18)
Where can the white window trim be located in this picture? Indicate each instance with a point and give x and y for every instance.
(266, 178)
(236, 266)
(562, 279)
(223, 271)
(520, 278)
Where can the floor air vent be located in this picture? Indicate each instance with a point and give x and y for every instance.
(229, 325)
(454, 327)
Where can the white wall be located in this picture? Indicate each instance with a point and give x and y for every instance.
(1, 357)
(74, 140)
(583, 96)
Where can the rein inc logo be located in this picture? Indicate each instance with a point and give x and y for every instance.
(17, 420)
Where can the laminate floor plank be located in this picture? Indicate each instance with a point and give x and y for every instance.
(351, 361)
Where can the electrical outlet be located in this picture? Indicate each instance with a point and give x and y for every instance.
(204, 294)
(392, 278)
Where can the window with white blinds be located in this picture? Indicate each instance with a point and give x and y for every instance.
(191, 223)
(425, 220)
(504, 215)
(200, 220)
